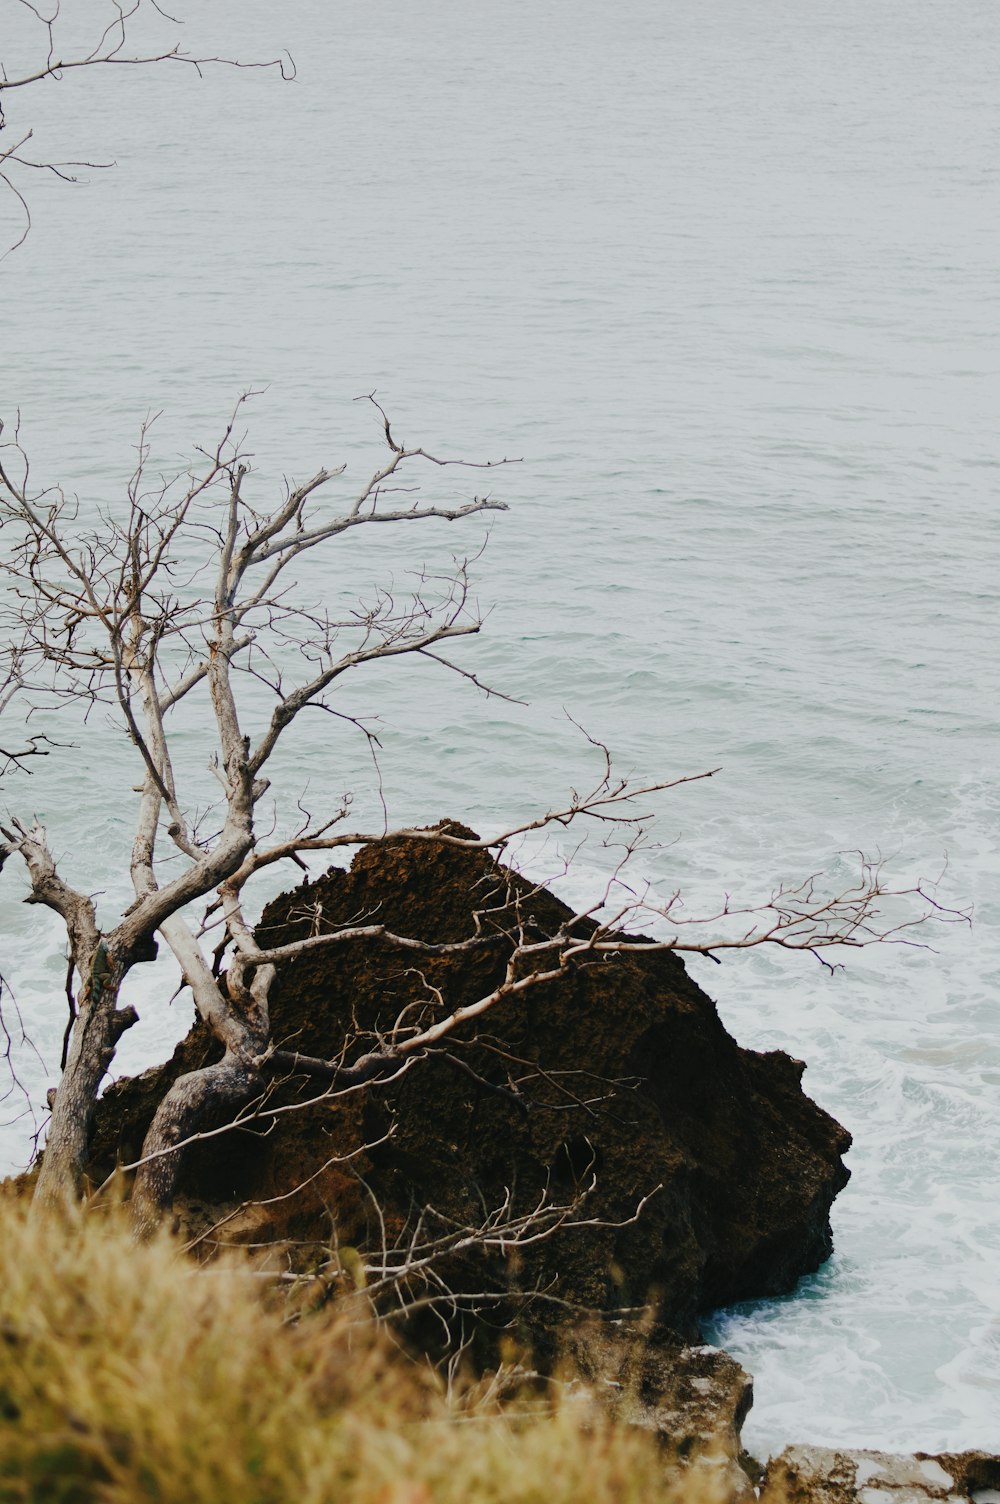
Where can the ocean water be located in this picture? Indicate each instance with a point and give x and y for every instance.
(723, 279)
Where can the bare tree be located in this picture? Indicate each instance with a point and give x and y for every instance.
(409, 1268)
(186, 591)
(50, 52)
(120, 615)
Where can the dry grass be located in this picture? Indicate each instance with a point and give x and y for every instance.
(128, 1374)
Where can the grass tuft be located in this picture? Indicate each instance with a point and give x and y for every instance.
(128, 1373)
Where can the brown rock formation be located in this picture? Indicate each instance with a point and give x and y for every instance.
(624, 1068)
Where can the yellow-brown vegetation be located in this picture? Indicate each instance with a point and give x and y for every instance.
(128, 1373)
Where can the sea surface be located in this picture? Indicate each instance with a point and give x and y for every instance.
(723, 278)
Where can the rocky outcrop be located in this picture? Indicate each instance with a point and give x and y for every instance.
(620, 1071)
(821, 1475)
(695, 1399)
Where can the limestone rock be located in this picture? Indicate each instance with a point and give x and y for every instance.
(820, 1475)
(695, 1398)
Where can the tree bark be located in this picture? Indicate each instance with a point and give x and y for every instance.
(99, 1025)
(225, 1086)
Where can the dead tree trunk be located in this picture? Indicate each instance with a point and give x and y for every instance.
(217, 1089)
(99, 1025)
